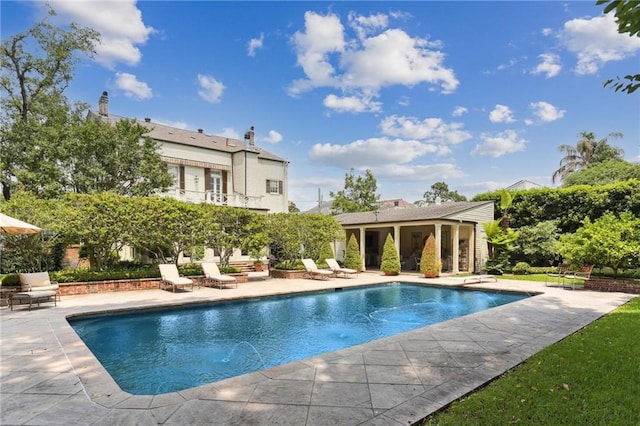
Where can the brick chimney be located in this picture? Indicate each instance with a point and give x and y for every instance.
(103, 104)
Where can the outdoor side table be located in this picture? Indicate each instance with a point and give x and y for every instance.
(32, 297)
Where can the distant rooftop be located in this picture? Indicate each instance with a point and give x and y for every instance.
(523, 184)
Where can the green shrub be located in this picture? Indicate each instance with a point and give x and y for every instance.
(290, 265)
(521, 268)
(430, 264)
(9, 280)
(352, 258)
(390, 263)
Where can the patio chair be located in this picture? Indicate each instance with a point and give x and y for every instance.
(171, 277)
(212, 275)
(556, 279)
(584, 273)
(337, 269)
(36, 287)
(314, 272)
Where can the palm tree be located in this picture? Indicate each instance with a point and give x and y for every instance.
(587, 151)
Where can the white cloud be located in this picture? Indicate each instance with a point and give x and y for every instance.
(549, 65)
(132, 87)
(547, 31)
(420, 172)
(255, 44)
(433, 130)
(361, 64)
(501, 114)
(546, 112)
(210, 89)
(176, 124)
(119, 23)
(496, 146)
(353, 104)
(230, 133)
(459, 111)
(528, 122)
(274, 137)
(365, 25)
(370, 152)
(596, 41)
(323, 35)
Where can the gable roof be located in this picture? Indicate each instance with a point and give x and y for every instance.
(325, 207)
(431, 212)
(523, 184)
(170, 134)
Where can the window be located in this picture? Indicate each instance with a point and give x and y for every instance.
(274, 186)
(174, 172)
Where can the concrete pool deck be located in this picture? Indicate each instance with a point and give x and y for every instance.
(48, 376)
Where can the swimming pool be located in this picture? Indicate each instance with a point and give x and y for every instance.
(167, 350)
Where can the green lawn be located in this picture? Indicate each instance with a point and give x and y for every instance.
(590, 378)
(535, 277)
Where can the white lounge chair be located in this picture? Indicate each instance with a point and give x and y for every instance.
(337, 269)
(313, 271)
(213, 275)
(36, 287)
(171, 276)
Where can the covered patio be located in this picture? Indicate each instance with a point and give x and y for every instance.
(456, 226)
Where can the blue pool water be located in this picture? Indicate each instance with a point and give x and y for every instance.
(159, 351)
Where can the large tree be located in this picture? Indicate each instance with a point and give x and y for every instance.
(586, 151)
(439, 190)
(358, 195)
(116, 158)
(36, 67)
(627, 13)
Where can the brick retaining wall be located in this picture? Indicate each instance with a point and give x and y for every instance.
(613, 285)
(127, 285)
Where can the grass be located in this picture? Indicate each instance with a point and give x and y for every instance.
(589, 378)
(536, 277)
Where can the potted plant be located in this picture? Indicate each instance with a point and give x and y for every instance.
(390, 264)
(430, 264)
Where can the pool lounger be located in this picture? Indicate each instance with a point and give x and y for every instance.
(479, 279)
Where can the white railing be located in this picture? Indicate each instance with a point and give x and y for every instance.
(217, 198)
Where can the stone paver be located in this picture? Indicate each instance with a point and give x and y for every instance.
(48, 376)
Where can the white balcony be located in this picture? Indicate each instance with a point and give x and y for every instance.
(219, 199)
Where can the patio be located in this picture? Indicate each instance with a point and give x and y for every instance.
(48, 376)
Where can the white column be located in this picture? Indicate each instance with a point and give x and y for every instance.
(456, 246)
(472, 250)
(438, 241)
(364, 266)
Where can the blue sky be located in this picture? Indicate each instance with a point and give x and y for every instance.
(476, 94)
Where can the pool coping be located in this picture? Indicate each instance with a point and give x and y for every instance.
(394, 380)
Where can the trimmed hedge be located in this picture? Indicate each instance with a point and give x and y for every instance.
(570, 206)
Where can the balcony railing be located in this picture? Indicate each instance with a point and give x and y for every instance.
(217, 198)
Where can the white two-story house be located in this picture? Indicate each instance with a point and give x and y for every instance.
(214, 169)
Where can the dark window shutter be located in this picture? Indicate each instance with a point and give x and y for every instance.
(268, 186)
(207, 179)
(280, 187)
(182, 178)
(224, 182)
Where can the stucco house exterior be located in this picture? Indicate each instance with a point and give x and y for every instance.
(456, 226)
(214, 169)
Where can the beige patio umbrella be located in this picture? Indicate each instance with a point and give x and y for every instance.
(10, 225)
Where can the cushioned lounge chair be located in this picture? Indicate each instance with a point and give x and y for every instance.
(337, 269)
(314, 272)
(213, 276)
(171, 277)
(36, 287)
